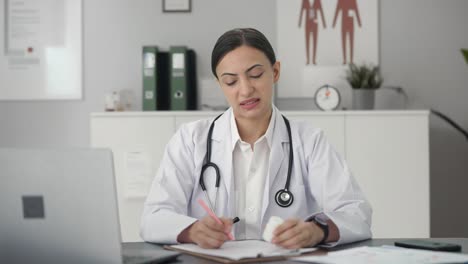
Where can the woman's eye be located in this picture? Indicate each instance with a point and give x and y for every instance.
(230, 83)
(256, 76)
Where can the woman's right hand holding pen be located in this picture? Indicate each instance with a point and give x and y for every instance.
(207, 233)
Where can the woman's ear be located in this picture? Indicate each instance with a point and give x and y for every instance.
(276, 71)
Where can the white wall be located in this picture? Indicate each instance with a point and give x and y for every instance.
(419, 49)
(114, 31)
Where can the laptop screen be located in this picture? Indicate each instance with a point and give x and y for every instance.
(58, 205)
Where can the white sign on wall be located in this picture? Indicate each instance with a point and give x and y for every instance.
(313, 34)
(40, 49)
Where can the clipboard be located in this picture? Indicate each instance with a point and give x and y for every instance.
(260, 257)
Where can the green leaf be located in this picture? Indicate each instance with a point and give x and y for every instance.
(465, 54)
(364, 76)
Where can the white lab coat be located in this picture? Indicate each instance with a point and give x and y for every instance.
(320, 182)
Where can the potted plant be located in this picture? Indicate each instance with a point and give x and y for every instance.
(364, 79)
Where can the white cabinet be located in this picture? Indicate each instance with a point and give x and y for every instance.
(332, 125)
(387, 151)
(389, 156)
(132, 138)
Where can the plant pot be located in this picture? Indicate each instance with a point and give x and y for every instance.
(363, 99)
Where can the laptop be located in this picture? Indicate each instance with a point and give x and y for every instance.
(60, 206)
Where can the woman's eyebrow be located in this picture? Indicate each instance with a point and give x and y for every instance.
(253, 66)
(228, 73)
(249, 69)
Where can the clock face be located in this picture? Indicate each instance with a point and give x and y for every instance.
(327, 98)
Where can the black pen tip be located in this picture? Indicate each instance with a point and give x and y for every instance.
(235, 220)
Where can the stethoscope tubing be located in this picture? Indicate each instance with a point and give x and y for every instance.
(278, 197)
(210, 164)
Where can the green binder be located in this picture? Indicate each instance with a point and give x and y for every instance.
(178, 73)
(183, 79)
(150, 78)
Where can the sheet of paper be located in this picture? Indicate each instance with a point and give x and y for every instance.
(138, 173)
(41, 54)
(178, 61)
(237, 250)
(385, 255)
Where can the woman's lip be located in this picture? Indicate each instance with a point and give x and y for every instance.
(250, 104)
(249, 101)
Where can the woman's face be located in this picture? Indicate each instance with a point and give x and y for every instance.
(246, 77)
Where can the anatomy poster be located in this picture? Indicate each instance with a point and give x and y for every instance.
(319, 38)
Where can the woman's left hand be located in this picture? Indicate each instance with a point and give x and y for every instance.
(296, 233)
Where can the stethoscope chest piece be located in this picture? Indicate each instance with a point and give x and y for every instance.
(284, 198)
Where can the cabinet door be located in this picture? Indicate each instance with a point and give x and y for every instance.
(332, 126)
(389, 157)
(137, 143)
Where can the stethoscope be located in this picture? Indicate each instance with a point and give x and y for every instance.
(283, 197)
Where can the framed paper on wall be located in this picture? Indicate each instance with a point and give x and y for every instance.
(318, 39)
(177, 6)
(41, 50)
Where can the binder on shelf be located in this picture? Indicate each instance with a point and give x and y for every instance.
(183, 83)
(149, 77)
(155, 79)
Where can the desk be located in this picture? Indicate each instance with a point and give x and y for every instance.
(372, 242)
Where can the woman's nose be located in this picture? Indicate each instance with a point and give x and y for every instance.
(246, 87)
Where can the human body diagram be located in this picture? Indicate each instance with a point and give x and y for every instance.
(349, 11)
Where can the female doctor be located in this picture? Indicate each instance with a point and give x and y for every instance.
(252, 163)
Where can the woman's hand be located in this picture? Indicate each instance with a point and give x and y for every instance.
(296, 233)
(207, 233)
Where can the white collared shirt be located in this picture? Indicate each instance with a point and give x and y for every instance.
(250, 170)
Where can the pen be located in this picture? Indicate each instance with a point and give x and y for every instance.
(235, 220)
(208, 210)
(289, 253)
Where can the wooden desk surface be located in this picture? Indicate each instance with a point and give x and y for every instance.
(372, 242)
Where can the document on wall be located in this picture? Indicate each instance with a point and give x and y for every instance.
(242, 249)
(41, 55)
(137, 173)
(384, 255)
(32, 23)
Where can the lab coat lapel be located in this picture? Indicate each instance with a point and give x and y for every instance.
(222, 155)
(277, 156)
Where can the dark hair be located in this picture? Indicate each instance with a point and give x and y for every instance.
(235, 38)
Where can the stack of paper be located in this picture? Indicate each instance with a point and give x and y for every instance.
(242, 249)
(385, 255)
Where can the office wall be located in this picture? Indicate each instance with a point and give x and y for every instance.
(419, 50)
(114, 31)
